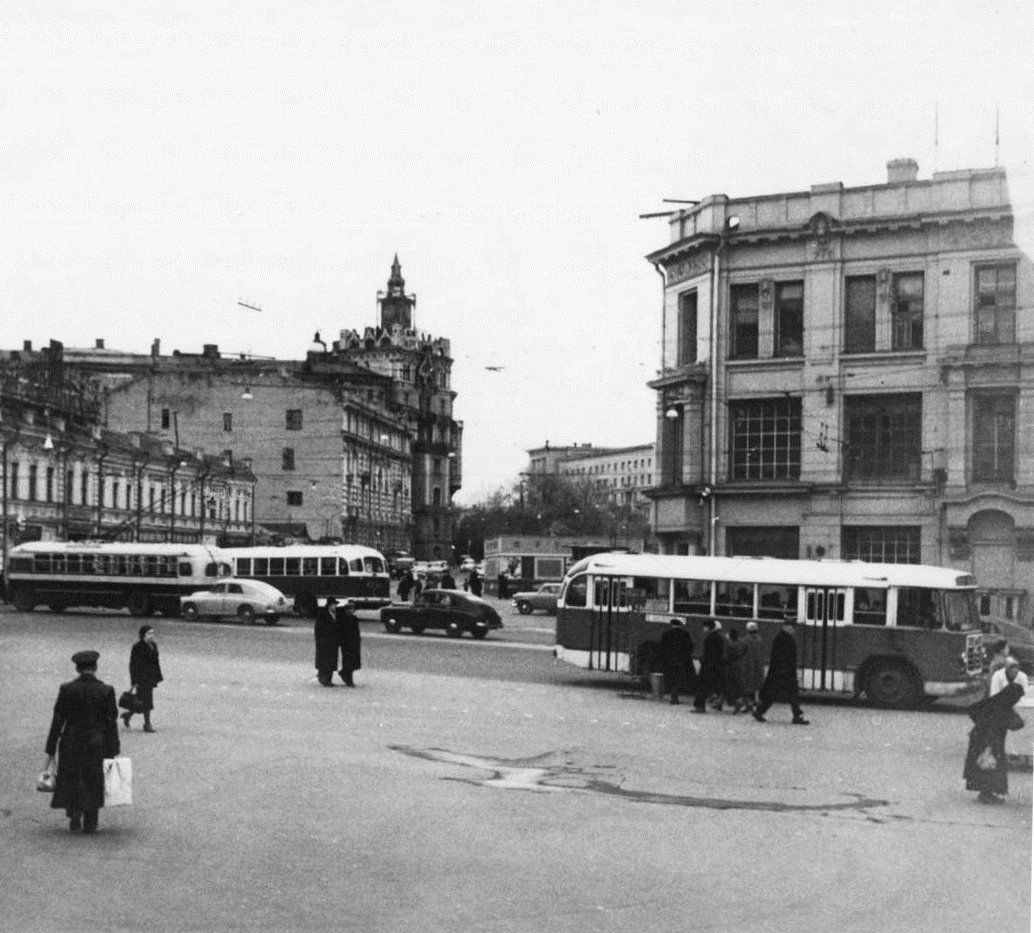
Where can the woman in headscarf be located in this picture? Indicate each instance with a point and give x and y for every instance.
(145, 673)
(985, 770)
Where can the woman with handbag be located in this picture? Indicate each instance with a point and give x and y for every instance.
(145, 673)
(985, 770)
(83, 732)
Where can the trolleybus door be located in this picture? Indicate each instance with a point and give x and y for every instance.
(818, 660)
(605, 639)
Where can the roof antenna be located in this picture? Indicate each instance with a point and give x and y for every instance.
(996, 135)
(936, 134)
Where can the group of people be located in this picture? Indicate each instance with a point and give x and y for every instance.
(410, 583)
(732, 669)
(84, 729)
(338, 643)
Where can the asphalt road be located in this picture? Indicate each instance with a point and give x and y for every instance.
(481, 786)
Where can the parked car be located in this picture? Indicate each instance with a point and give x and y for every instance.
(244, 600)
(544, 597)
(1020, 638)
(453, 610)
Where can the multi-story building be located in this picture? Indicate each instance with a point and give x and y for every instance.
(849, 372)
(67, 478)
(355, 442)
(618, 475)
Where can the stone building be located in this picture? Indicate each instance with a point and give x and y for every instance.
(848, 372)
(620, 475)
(355, 442)
(65, 477)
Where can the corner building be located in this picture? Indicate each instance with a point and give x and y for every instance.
(849, 373)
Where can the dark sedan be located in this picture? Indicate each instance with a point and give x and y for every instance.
(452, 610)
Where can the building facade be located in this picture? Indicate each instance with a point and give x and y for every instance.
(847, 373)
(66, 478)
(354, 442)
(619, 475)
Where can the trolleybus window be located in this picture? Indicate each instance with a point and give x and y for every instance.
(693, 597)
(776, 601)
(656, 591)
(735, 600)
(292, 567)
(577, 592)
(870, 606)
(310, 567)
(917, 608)
(328, 567)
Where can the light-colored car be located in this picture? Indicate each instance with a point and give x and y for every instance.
(244, 600)
(544, 597)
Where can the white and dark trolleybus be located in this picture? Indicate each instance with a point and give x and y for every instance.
(898, 633)
(143, 578)
(311, 572)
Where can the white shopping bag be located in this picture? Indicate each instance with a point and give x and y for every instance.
(118, 782)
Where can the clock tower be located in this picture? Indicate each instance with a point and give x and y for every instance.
(396, 305)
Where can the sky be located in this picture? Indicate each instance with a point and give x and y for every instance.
(163, 164)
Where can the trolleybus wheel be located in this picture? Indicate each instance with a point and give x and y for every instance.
(138, 603)
(417, 629)
(24, 598)
(891, 684)
(246, 614)
(391, 624)
(57, 605)
(524, 607)
(190, 612)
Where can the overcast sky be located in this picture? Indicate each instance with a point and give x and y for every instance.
(162, 162)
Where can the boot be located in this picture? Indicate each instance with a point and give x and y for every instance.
(75, 820)
(89, 821)
(147, 724)
(125, 718)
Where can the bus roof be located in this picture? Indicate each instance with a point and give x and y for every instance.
(117, 547)
(348, 551)
(830, 573)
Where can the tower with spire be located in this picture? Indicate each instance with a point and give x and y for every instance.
(396, 306)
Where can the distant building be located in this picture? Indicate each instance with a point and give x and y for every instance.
(847, 373)
(620, 475)
(65, 477)
(355, 442)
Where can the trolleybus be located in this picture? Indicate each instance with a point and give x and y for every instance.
(142, 578)
(898, 633)
(310, 572)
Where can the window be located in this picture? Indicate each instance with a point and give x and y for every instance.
(860, 314)
(12, 470)
(870, 606)
(994, 304)
(33, 472)
(328, 567)
(84, 488)
(294, 497)
(891, 544)
(50, 484)
(227, 421)
(906, 311)
(672, 435)
(294, 419)
(789, 319)
(166, 417)
(765, 439)
(288, 458)
(884, 437)
(687, 333)
(743, 327)
(917, 608)
(994, 438)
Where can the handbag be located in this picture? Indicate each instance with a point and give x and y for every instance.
(131, 702)
(47, 781)
(986, 761)
(1015, 722)
(118, 781)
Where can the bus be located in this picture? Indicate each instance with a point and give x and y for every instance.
(310, 572)
(898, 633)
(143, 578)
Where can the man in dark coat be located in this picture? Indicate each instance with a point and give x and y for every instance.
(680, 675)
(780, 684)
(406, 586)
(349, 642)
(986, 767)
(709, 682)
(447, 581)
(325, 631)
(83, 732)
(474, 583)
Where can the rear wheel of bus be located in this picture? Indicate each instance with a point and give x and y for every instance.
(139, 603)
(892, 684)
(24, 598)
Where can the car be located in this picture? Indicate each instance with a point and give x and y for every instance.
(244, 600)
(455, 611)
(1020, 638)
(467, 564)
(544, 597)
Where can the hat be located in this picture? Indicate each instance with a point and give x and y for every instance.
(331, 601)
(1011, 662)
(85, 658)
(752, 626)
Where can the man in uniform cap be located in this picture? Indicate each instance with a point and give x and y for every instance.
(83, 732)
